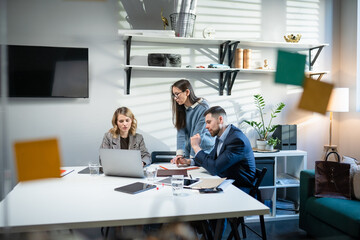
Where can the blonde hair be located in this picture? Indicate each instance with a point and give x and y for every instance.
(115, 131)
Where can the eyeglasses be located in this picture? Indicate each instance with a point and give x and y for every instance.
(176, 95)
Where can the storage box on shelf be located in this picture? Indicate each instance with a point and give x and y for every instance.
(226, 47)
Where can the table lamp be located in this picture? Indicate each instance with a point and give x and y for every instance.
(339, 102)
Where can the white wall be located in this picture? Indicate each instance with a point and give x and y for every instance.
(79, 124)
(349, 130)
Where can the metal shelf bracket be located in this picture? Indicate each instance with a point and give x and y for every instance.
(230, 82)
(232, 50)
(312, 61)
(222, 51)
(128, 80)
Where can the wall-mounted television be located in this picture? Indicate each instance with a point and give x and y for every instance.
(37, 71)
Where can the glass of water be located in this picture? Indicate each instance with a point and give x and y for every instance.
(94, 168)
(177, 184)
(151, 173)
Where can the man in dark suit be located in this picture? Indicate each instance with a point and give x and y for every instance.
(232, 156)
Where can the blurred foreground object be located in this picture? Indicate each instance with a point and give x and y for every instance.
(37, 159)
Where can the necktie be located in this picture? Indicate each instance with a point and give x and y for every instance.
(216, 147)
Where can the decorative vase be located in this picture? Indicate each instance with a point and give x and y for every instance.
(261, 144)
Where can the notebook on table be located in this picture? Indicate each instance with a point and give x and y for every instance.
(170, 172)
(122, 163)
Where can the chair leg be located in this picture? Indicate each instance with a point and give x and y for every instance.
(106, 233)
(219, 228)
(206, 230)
(259, 195)
(234, 229)
(243, 229)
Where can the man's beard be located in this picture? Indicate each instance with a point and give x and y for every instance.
(216, 132)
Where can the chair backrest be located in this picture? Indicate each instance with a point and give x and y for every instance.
(162, 156)
(259, 176)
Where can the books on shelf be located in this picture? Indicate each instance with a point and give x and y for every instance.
(286, 179)
(284, 206)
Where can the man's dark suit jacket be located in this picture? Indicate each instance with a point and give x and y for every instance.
(235, 161)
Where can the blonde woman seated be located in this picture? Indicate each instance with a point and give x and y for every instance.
(123, 134)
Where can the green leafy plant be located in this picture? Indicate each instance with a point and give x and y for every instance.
(260, 127)
(273, 141)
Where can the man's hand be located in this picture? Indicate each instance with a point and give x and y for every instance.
(195, 142)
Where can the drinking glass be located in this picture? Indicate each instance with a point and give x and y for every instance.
(94, 168)
(177, 184)
(151, 173)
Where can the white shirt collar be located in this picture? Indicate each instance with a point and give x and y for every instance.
(225, 133)
(194, 105)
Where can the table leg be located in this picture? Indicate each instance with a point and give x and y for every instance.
(262, 224)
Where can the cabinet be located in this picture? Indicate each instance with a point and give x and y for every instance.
(282, 192)
(225, 54)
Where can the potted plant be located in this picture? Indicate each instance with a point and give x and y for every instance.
(271, 143)
(262, 129)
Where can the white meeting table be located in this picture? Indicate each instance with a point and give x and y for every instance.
(85, 201)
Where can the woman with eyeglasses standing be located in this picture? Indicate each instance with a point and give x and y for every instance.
(188, 117)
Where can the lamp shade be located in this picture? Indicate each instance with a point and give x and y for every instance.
(339, 100)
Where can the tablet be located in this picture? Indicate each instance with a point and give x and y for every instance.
(87, 171)
(187, 181)
(134, 188)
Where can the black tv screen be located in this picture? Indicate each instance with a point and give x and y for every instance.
(36, 71)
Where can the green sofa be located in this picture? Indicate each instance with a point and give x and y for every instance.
(327, 218)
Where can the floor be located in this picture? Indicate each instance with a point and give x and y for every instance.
(276, 230)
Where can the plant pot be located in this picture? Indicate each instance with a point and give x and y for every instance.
(269, 147)
(261, 144)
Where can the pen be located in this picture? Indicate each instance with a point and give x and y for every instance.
(163, 167)
(192, 168)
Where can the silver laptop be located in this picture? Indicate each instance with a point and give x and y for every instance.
(122, 163)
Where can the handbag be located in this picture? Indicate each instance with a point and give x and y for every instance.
(332, 179)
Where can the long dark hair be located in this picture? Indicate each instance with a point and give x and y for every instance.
(178, 111)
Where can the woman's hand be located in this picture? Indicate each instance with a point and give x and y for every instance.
(173, 161)
(182, 161)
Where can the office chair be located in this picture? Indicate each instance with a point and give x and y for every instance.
(255, 193)
(162, 156)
